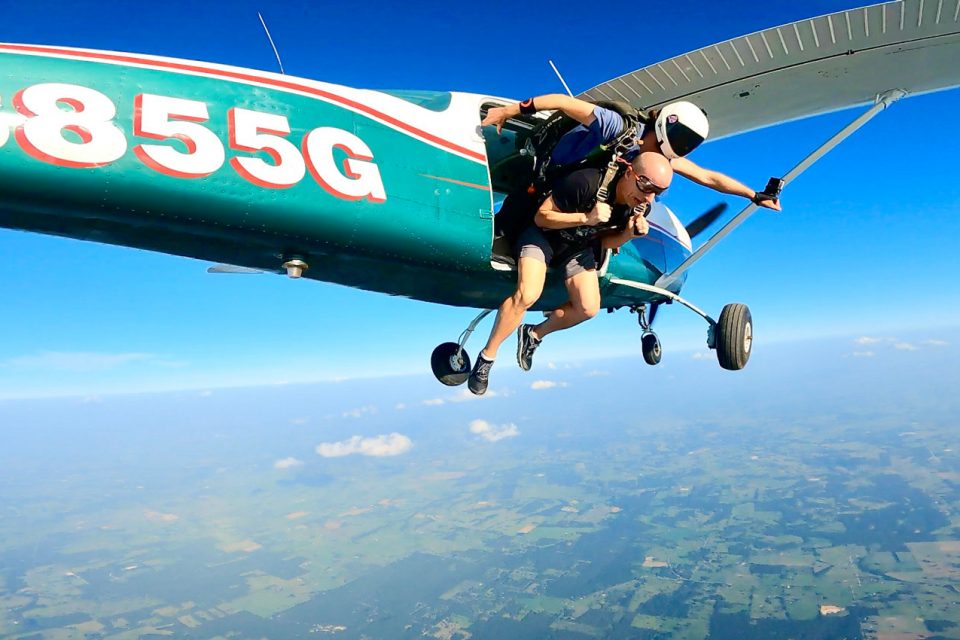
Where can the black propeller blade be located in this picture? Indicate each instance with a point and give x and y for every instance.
(706, 219)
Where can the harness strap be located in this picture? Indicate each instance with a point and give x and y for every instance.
(613, 168)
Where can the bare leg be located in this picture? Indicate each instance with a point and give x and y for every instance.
(531, 274)
(584, 303)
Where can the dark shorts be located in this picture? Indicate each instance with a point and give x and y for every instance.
(533, 244)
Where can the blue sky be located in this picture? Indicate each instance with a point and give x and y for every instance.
(864, 245)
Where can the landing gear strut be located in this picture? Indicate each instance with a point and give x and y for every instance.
(731, 336)
(450, 362)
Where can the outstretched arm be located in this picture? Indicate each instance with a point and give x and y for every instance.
(719, 182)
(577, 109)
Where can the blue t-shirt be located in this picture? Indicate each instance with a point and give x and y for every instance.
(581, 140)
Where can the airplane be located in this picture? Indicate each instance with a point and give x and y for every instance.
(396, 191)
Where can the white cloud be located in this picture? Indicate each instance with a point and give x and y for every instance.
(896, 343)
(76, 361)
(493, 433)
(299, 421)
(400, 406)
(287, 463)
(863, 354)
(205, 394)
(464, 395)
(540, 385)
(596, 373)
(701, 355)
(360, 412)
(392, 444)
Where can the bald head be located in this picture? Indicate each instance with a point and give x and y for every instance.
(649, 174)
(655, 167)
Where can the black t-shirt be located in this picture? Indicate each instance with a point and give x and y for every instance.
(577, 193)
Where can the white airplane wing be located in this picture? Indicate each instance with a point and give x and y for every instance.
(805, 68)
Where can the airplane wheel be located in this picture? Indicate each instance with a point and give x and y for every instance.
(650, 345)
(734, 336)
(450, 368)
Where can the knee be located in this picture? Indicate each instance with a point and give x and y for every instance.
(588, 309)
(527, 296)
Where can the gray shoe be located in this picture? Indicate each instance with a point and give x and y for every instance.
(480, 376)
(526, 345)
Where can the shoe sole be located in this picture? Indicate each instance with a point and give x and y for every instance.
(520, 349)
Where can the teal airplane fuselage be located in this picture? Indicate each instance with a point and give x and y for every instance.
(385, 191)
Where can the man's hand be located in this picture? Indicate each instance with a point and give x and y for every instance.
(600, 214)
(638, 226)
(499, 115)
(770, 204)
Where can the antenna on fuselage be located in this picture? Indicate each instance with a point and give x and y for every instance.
(564, 82)
(270, 38)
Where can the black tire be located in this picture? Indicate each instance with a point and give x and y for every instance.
(650, 345)
(443, 367)
(734, 336)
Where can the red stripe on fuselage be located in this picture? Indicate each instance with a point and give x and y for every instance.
(247, 77)
(654, 225)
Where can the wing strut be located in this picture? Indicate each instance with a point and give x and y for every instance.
(883, 101)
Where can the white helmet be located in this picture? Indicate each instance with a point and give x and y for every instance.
(681, 127)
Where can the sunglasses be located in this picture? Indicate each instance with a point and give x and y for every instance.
(645, 185)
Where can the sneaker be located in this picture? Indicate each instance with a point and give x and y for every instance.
(479, 377)
(526, 345)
